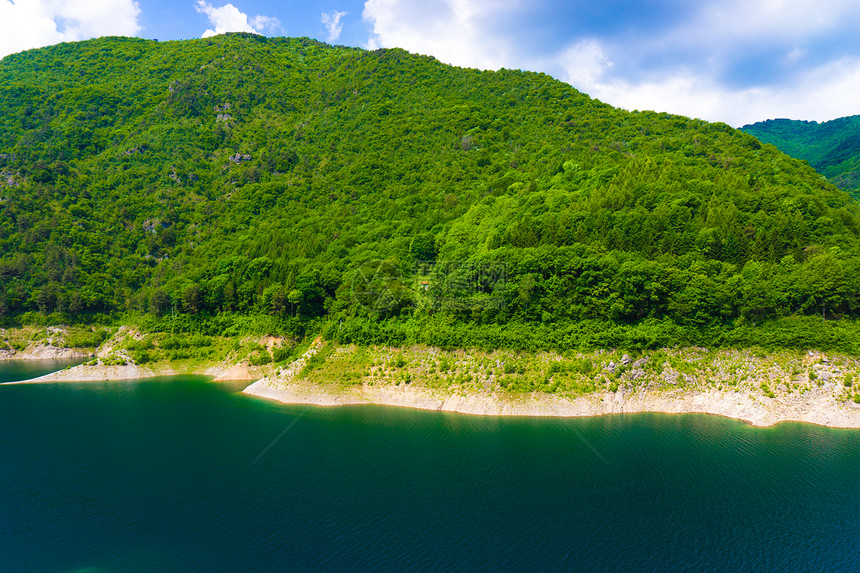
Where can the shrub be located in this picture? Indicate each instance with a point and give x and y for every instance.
(282, 354)
(173, 342)
(90, 339)
(315, 361)
(114, 360)
(141, 356)
(199, 340)
(143, 344)
(260, 357)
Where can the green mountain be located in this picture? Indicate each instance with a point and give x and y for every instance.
(831, 147)
(394, 198)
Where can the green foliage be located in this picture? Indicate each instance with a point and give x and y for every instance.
(142, 344)
(316, 361)
(581, 366)
(85, 339)
(241, 184)
(789, 332)
(282, 354)
(114, 360)
(831, 147)
(142, 356)
(259, 357)
(173, 342)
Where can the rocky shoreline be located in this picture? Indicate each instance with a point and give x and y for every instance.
(817, 402)
(112, 361)
(44, 352)
(107, 372)
(811, 388)
(820, 408)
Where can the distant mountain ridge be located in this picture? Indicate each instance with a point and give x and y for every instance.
(831, 147)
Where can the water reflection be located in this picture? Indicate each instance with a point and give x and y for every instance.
(18, 370)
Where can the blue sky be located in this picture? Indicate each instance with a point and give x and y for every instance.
(736, 61)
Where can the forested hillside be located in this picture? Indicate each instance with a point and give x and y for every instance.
(385, 193)
(831, 147)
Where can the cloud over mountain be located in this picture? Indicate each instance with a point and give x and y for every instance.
(228, 18)
(731, 61)
(26, 24)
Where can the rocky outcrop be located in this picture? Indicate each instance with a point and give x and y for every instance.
(43, 352)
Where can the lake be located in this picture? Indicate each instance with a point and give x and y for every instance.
(11, 370)
(182, 474)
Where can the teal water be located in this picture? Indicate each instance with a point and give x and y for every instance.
(14, 370)
(184, 475)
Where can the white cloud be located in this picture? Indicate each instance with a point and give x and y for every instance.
(795, 55)
(819, 94)
(722, 60)
(708, 84)
(26, 24)
(333, 24)
(228, 18)
(769, 19)
(584, 63)
(721, 33)
(267, 24)
(454, 31)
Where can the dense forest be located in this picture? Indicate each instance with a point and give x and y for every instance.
(831, 147)
(386, 197)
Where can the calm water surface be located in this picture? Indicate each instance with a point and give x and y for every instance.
(181, 474)
(14, 370)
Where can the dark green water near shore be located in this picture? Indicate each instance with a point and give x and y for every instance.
(183, 475)
(12, 370)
